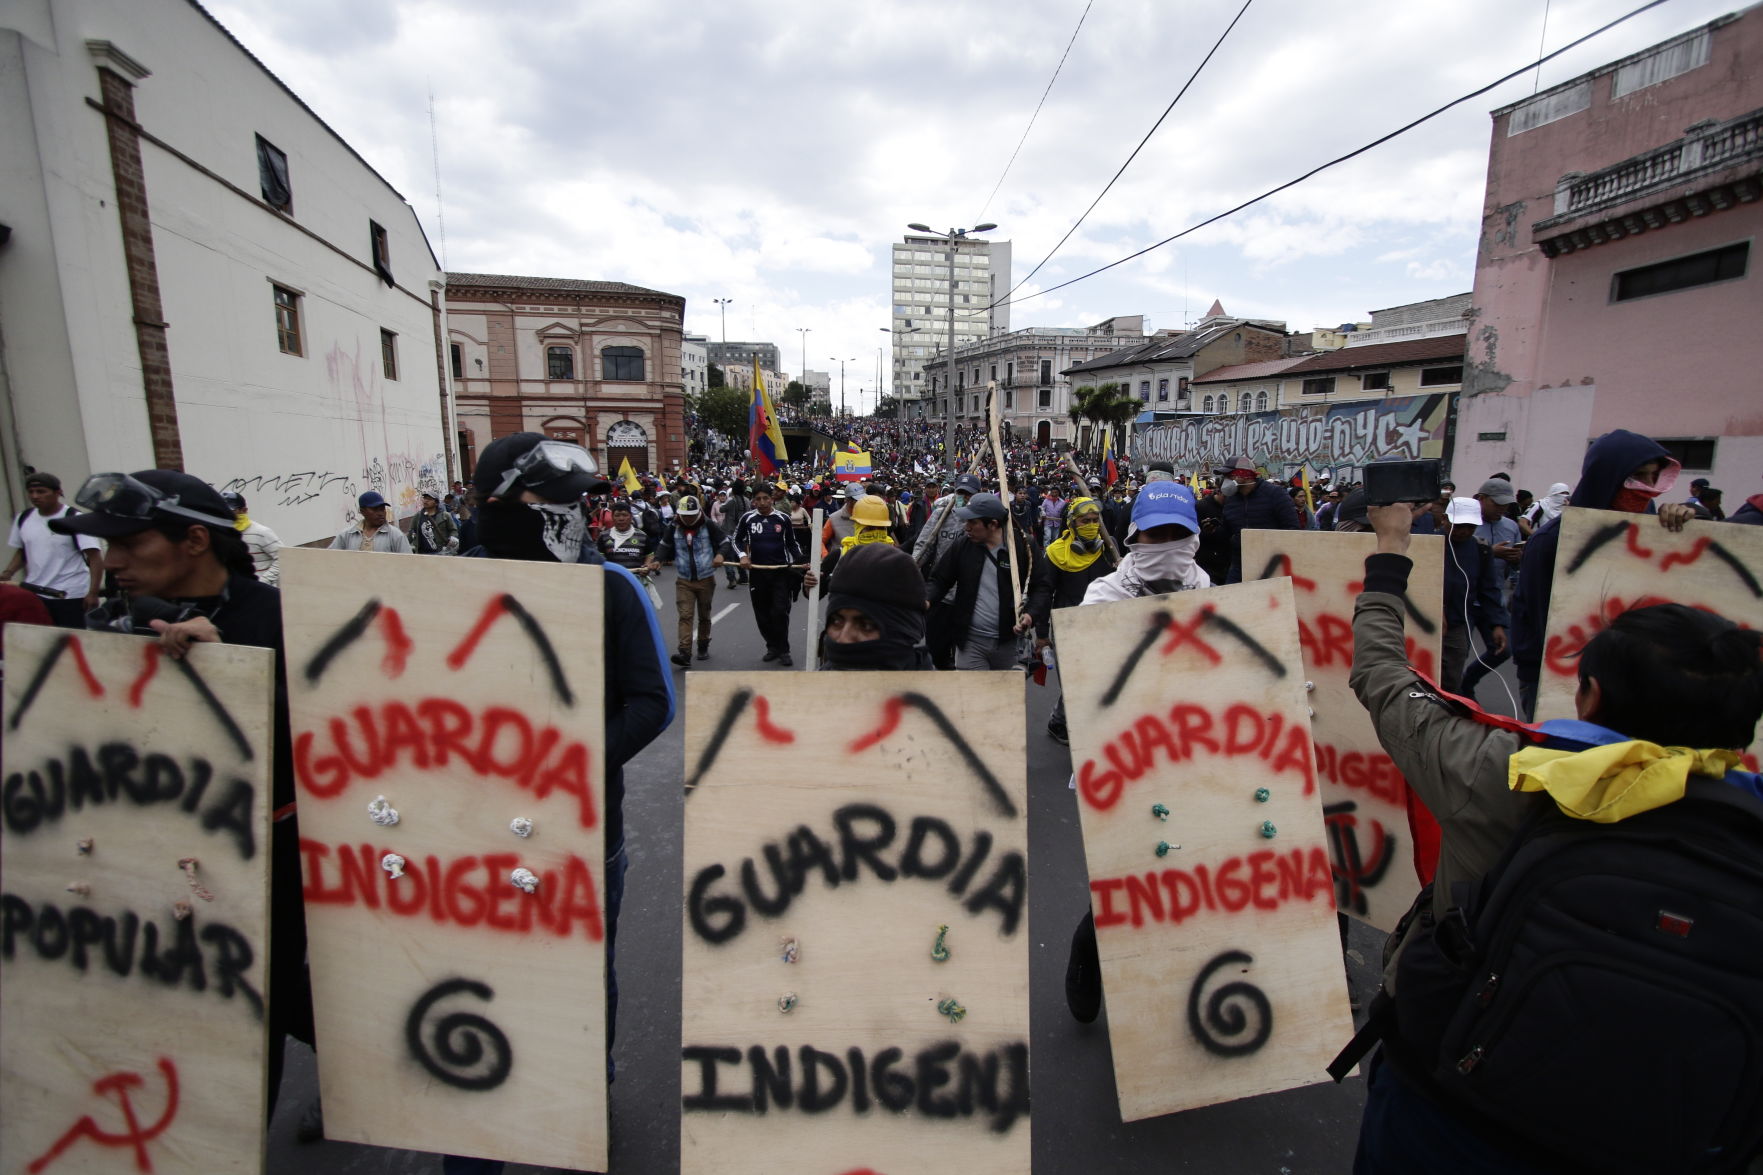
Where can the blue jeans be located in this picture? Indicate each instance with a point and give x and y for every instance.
(616, 863)
(1404, 1133)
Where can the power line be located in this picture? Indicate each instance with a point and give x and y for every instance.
(1007, 300)
(1135, 150)
(1037, 113)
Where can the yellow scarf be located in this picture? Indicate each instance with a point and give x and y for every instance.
(1060, 550)
(242, 523)
(866, 535)
(1610, 783)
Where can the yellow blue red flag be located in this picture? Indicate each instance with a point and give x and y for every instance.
(764, 437)
(851, 466)
(1110, 471)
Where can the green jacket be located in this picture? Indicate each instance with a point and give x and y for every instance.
(1456, 765)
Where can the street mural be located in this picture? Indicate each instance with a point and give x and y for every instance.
(1338, 439)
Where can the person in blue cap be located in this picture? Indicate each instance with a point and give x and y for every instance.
(372, 531)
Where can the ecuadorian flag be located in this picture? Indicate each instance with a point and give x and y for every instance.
(851, 466)
(1110, 471)
(764, 437)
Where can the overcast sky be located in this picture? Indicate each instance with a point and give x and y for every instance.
(769, 151)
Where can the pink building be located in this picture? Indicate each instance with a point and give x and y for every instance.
(1615, 284)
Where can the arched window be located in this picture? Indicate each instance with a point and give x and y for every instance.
(559, 363)
(1224, 401)
(621, 363)
(1261, 400)
(1206, 404)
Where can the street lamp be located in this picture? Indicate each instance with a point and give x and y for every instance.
(723, 302)
(953, 236)
(803, 331)
(841, 363)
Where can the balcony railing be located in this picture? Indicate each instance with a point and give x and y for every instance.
(1704, 147)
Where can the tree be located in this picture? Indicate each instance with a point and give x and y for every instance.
(1112, 404)
(715, 379)
(796, 394)
(724, 409)
(887, 408)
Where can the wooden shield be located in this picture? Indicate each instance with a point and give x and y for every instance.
(1608, 562)
(456, 1010)
(135, 867)
(1364, 799)
(1203, 829)
(855, 992)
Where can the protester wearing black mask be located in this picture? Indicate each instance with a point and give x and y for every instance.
(875, 611)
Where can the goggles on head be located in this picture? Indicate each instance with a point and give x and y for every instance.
(121, 496)
(545, 463)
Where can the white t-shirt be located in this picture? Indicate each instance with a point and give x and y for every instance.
(53, 560)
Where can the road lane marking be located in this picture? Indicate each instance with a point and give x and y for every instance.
(725, 612)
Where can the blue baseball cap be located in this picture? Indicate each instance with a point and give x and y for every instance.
(370, 499)
(1161, 503)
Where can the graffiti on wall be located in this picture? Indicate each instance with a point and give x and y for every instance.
(1334, 438)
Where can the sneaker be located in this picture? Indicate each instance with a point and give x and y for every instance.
(1058, 734)
(770, 655)
(784, 659)
(1083, 974)
(703, 652)
(681, 658)
(311, 1126)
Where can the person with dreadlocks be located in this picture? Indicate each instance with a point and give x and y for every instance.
(1076, 559)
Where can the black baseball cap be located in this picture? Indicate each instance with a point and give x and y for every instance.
(983, 506)
(114, 504)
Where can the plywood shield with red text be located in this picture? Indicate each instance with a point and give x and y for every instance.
(134, 955)
(855, 947)
(448, 734)
(1609, 562)
(1203, 830)
(1365, 801)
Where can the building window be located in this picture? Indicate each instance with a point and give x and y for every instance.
(1682, 273)
(1162, 390)
(1320, 386)
(560, 363)
(994, 373)
(1145, 390)
(1375, 381)
(621, 363)
(1432, 377)
(382, 252)
(1261, 400)
(287, 320)
(389, 353)
(1046, 371)
(1045, 398)
(1009, 398)
(1695, 453)
(272, 176)
(1181, 385)
(1206, 404)
(1010, 373)
(456, 356)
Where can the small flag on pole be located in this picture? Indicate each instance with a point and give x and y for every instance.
(628, 476)
(1110, 471)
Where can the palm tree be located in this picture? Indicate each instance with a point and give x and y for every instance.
(1109, 405)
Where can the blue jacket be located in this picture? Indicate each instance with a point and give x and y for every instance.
(1608, 462)
(694, 559)
(1472, 585)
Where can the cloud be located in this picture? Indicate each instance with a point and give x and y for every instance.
(770, 150)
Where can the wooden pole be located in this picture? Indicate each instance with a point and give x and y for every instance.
(1112, 549)
(811, 645)
(992, 419)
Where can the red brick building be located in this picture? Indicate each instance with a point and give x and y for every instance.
(594, 362)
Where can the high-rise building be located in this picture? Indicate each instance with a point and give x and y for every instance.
(727, 355)
(921, 293)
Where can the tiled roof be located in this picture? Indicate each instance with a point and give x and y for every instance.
(1182, 346)
(1381, 355)
(562, 285)
(1250, 370)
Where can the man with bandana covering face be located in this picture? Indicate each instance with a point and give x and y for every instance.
(1077, 558)
(530, 489)
(1622, 471)
(875, 611)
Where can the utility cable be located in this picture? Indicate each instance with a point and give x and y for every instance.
(1037, 113)
(1008, 301)
(1135, 151)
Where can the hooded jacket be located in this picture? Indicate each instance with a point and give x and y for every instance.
(1266, 507)
(1608, 462)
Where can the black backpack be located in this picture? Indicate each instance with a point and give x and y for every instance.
(1597, 998)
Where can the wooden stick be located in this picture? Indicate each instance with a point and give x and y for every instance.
(992, 416)
(810, 648)
(1112, 549)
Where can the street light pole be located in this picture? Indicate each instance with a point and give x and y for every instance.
(723, 302)
(841, 363)
(803, 331)
(953, 236)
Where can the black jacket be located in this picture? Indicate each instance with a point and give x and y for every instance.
(1267, 507)
(1049, 587)
(961, 566)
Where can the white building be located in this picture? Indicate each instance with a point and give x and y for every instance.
(694, 364)
(198, 273)
(921, 291)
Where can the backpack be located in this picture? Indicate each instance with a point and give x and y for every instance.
(1598, 996)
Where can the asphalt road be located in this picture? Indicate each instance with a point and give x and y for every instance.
(1076, 1122)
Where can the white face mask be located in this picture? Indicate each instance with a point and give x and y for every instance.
(563, 528)
(1165, 560)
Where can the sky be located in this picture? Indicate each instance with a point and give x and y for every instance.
(770, 151)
